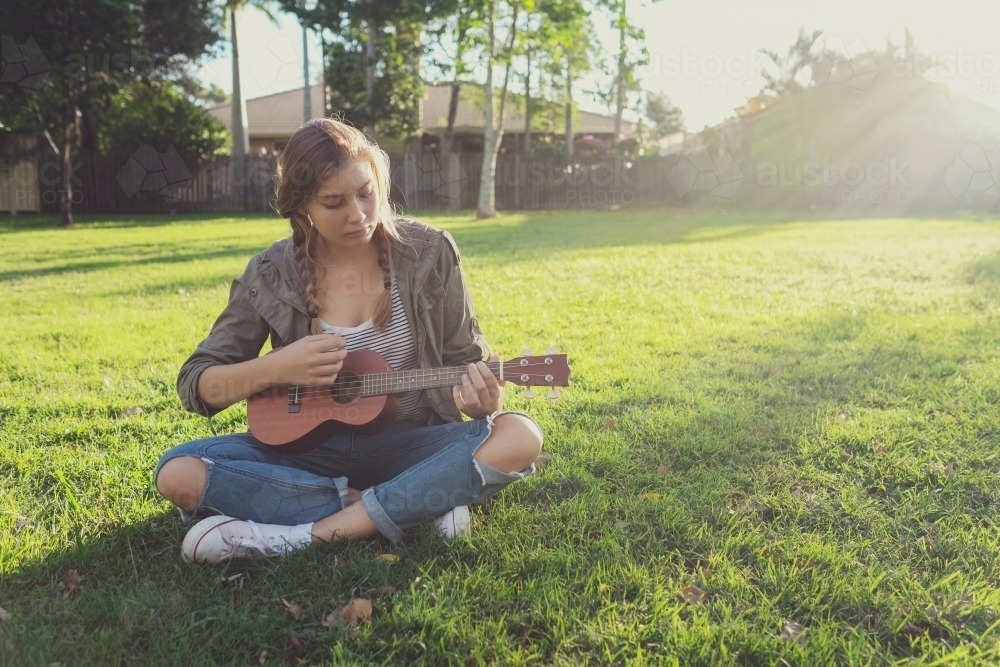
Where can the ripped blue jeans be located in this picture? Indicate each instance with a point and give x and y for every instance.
(409, 475)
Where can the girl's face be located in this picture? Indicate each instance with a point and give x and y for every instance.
(343, 210)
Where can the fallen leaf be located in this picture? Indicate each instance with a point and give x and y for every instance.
(693, 595)
(293, 610)
(358, 609)
(182, 291)
(652, 495)
(128, 412)
(4, 614)
(662, 470)
(70, 583)
(384, 590)
(332, 619)
(20, 523)
(387, 558)
(608, 425)
(792, 631)
(772, 479)
(881, 449)
(296, 645)
(950, 471)
(263, 657)
(234, 598)
(542, 459)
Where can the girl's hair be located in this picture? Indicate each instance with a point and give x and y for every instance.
(317, 150)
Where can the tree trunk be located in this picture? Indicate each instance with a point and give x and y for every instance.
(307, 92)
(527, 109)
(622, 18)
(485, 207)
(370, 80)
(493, 135)
(569, 113)
(241, 139)
(449, 130)
(66, 205)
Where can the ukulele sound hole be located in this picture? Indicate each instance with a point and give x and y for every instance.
(346, 388)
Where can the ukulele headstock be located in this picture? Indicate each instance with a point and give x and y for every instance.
(543, 370)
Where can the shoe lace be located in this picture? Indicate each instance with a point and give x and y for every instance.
(257, 540)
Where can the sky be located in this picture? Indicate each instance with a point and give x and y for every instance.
(703, 55)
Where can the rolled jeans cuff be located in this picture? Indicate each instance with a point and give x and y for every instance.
(378, 516)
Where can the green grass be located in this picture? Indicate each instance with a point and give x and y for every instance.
(815, 401)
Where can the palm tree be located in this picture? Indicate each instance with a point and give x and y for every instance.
(241, 139)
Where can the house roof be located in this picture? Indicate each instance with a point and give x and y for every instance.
(277, 115)
(280, 114)
(471, 119)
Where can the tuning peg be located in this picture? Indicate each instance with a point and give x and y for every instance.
(551, 350)
(528, 393)
(552, 395)
(527, 352)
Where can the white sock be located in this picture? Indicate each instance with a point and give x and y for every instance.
(300, 536)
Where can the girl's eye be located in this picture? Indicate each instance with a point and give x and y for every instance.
(337, 205)
(368, 194)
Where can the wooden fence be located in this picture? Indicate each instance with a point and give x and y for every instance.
(420, 181)
(153, 182)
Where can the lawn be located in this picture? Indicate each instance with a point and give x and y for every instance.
(779, 446)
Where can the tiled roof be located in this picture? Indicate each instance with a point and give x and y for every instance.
(280, 114)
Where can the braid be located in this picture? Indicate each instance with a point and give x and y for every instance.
(382, 310)
(302, 236)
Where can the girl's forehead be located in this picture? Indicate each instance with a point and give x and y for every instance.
(351, 178)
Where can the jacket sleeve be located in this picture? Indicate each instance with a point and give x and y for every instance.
(237, 335)
(462, 340)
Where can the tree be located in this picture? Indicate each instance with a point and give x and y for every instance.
(574, 48)
(664, 116)
(93, 50)
(493, 119)
(159, 114)
(238, 108)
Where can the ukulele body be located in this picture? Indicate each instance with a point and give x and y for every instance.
(296, 422)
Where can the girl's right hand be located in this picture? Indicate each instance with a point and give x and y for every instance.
(311, 360)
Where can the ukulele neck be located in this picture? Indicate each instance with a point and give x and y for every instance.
(378, 384)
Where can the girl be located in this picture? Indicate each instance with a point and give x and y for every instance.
(351, 276)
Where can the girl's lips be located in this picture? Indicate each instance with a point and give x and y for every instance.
(360, 232)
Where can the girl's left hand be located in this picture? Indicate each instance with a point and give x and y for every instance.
(481, 394)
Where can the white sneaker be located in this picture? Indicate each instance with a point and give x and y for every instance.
(220, 538)
(454, 523)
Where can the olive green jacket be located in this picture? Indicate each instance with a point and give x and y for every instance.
(267, 300)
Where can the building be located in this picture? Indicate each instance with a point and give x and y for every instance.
(272, 119)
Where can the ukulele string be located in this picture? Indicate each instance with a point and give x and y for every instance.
(370, 381)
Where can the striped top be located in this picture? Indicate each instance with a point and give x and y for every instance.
(396, 346)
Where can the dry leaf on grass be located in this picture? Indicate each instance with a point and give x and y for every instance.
(608, 425)
(662, 471)
(358, 609)
(70, 583)
(129, 412)
(263, 657)
(542, 459)
(792, 631)
(293, 610)
(693, 595)
(4, 614)
(296, 646)
(950, 472)
(652, 495)
(384, 590)
(387, 558)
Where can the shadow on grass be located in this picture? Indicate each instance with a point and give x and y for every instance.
(795, 482)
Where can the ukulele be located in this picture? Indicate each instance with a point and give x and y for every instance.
(299, 418)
